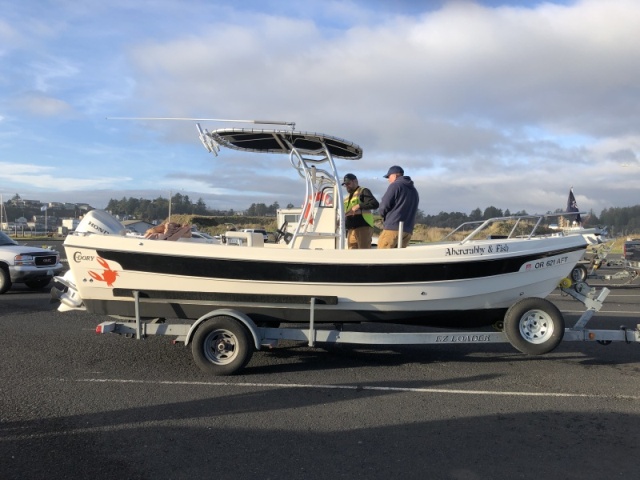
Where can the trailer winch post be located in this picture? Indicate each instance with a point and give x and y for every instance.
(593, 304)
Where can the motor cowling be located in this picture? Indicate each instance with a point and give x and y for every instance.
(101, 223)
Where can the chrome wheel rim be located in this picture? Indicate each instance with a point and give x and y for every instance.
(221, 347)
(536, 326)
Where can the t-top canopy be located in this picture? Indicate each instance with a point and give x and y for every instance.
(284, 141)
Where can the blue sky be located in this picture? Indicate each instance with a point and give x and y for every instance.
(502, 103)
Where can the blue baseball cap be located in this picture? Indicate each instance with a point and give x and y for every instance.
(394, 169)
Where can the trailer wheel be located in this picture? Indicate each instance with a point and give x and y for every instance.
(579, 273)
(534, 326)
(221, 346)
(5, 279)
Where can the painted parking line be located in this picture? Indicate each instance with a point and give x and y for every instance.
(606, 313)
(357, 388)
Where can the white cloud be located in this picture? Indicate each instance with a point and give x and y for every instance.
(8, 34)
(464, 62)
(50, 71)
(42, 105)
(481, 105)
(49, 178)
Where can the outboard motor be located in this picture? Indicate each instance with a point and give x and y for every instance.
(100, 223)
(64, 290)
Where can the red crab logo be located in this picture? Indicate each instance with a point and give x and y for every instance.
(108, 276)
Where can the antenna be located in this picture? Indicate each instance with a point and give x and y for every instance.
(189, 119)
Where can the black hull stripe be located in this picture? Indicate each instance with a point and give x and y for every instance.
(267, 271)
(176, 296)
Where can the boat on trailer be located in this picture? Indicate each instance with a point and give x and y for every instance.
(471, 278)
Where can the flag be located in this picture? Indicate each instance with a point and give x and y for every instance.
(43, 209)
(572, 206)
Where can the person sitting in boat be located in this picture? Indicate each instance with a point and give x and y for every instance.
(358, 208)
(398, 205)
(168, 231)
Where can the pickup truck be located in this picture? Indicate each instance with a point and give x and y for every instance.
(33, 266)
(632, 252)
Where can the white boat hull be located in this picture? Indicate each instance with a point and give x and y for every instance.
(273, 283)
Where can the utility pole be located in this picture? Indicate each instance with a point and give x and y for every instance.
(45, 218)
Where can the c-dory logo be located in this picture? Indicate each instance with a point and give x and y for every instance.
(79, 257)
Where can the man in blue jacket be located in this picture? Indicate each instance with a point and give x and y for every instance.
(399, 204)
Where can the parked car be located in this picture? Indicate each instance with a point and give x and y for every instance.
(33, 266)
(631, 252)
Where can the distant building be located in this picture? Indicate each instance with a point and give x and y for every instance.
(19, 202)
(70, 223)
(85, 207)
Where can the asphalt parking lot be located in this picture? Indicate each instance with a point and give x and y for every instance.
(79, 405)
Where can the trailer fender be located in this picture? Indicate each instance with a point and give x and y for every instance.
(227, 312)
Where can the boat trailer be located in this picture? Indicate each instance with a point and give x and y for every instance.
(591, 269)
(224, 340)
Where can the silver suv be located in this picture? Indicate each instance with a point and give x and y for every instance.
(33, 266)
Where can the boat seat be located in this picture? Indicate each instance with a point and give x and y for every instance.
(245, 239)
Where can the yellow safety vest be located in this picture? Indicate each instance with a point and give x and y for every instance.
(355, 200)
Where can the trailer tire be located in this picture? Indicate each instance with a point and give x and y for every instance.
(221, 346)
(534, 326)
(579, 273)
(5, 279)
